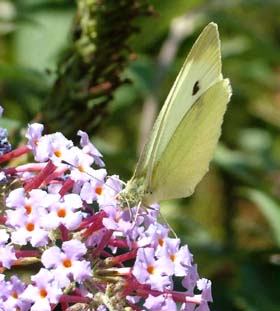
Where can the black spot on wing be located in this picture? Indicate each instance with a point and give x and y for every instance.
(196, 88)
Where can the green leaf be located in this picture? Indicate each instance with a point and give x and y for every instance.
(39, 42)
(269, 208)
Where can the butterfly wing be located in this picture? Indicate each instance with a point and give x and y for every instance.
(186, 157)
(201, 69)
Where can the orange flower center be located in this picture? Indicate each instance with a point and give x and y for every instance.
(61, 212)
(28, 209)
(58, 153)
(81, 168)
(15, 295)
(43, 293)
(172, 257)
(30, 226)
(160, 242)
(151, 269)
(98, 190)
(67, 263)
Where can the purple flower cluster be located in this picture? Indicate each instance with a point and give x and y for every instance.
(5, 145)
(66, 219)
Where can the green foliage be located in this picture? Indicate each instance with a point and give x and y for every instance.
(232, 221)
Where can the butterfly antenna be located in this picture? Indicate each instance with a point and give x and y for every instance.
(168, 225)
(137, 211)
(121, 181)
(93, 177)
(129, 208)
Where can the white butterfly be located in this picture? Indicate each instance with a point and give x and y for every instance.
(185, 134)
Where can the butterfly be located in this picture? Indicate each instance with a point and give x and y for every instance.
(182, 142)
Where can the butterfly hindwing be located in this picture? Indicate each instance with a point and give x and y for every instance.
(186, 158)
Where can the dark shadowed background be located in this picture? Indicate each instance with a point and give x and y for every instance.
(107, 68)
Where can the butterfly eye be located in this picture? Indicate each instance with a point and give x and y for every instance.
(196, 88)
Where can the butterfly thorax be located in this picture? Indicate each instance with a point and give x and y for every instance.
(133, 193)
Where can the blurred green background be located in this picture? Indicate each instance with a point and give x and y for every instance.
(232, 222)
